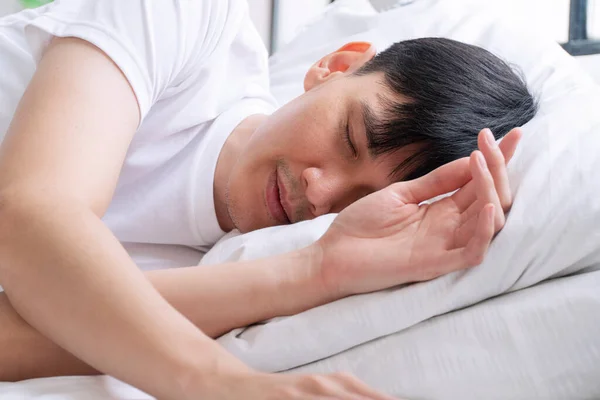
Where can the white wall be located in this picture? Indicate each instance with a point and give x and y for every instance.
(9, 7)
(549, 16)
(293, 14)
(594, 18)
(260, 12)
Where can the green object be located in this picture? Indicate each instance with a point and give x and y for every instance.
(34, 3)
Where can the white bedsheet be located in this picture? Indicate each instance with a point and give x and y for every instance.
(489, 351)
(538, 343)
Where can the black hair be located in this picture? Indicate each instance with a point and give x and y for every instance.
(449, 91)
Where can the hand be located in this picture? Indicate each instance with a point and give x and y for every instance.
(387, 238)
(259, 386)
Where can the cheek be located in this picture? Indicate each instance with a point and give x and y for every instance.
(307, 141)
(302, 127)
(244, 198)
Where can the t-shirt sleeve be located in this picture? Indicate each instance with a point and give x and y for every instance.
(151, 41)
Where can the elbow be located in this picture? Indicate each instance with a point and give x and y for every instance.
(34, 225)
(27, 222)
(24, 208)
(15, 219)
(16, 209)
(24, 201)
(8, 221)
(11, 213)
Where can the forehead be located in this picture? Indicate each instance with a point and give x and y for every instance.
(369, 88)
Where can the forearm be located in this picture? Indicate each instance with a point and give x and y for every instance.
(81, 290)
(215, 298)
(25, 353)
(218, 298)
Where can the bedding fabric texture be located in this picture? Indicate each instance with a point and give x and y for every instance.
(442, 339)
(551, 232)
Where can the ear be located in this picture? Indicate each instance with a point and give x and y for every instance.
(347, 59)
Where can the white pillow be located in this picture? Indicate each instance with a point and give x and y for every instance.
(552, 229)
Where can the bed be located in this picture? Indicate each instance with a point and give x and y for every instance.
(522, 325)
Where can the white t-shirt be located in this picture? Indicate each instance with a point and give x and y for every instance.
(197, 67)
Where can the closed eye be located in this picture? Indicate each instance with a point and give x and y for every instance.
(348, 140)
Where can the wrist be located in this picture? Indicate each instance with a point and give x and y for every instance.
(332, 270)
(300, 282)
(202, 375)
(225, 385)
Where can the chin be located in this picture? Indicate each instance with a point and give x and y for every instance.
(247, 223)
(244, 229)
(249, 227)
(247, 215)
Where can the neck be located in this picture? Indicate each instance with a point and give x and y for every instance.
(230, 153)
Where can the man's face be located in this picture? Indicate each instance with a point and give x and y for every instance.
(299, 163)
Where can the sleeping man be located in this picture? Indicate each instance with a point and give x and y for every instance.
(151, 122)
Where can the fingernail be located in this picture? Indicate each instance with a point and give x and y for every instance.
(481, 160)
(489, 137)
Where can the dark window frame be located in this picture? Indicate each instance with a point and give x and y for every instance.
(579, 43)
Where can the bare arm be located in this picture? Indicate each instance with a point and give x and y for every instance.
(215, 298)
(62, 269)
(68, 276)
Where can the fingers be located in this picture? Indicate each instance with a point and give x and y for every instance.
(354, 385)
(485, 187)
(469, 255)
(474, 253)
(496, 162)
(486, 191)
(509, 143)
(455, 175)
(338, 386)
(496, 158)
(445, 179)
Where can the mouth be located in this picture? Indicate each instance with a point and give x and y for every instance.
(274, 195)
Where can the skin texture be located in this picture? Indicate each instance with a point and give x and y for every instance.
(305, 141)
(235, 295)
(57, 175)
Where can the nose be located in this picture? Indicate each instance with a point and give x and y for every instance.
(324, 191)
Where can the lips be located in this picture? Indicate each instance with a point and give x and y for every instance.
(274, 199)
(283, 199)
